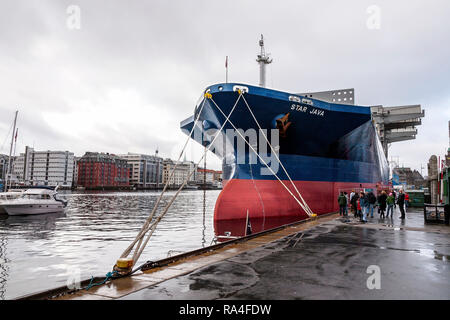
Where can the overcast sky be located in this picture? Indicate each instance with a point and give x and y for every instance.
(125, 79)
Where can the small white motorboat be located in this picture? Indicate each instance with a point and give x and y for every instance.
(37, 200)
(10, 195)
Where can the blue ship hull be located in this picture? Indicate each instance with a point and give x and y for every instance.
(324, 147)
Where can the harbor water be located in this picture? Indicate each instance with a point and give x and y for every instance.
(46, 251)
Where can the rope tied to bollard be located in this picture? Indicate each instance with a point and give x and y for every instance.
(124, 264)
(109, 275)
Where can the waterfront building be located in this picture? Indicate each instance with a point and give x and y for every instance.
(3, 166)
(209, 177)
(180, 174)
(49, 168)
(217, 176)
(12, 179)
(146, 171)
(190, 165)
(205, 175)
(409, 178)
(102, 170)
(75, 172)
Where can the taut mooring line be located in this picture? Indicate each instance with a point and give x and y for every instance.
(279, 160)
(262, 160)
(147, 226)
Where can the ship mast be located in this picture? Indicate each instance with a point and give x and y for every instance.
(263, 59)
(8, 173)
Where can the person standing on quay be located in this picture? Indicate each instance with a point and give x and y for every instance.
(371, 203)
(358, 208)
(363, 201)
(390, 205)
(342, 200)
(354, 201)
(401, 203)
(382, 203)
(351, 196)
(406, 201)
(347, 202)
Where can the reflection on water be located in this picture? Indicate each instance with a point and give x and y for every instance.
(43, 252)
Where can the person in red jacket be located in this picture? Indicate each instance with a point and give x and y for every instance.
(358, 209)
(406, 200)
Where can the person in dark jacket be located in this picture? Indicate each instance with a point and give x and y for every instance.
(342, 200)
(364, 203)
(382, 203)
(390, 205)
(371, 201)
(401, 203)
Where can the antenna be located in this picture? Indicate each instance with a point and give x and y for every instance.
(263, 59)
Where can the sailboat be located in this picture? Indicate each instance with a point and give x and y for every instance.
(10, 194)
(13, 140)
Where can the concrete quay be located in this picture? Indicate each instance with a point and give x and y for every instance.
(327, 258)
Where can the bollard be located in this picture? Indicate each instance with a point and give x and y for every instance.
(124, 266)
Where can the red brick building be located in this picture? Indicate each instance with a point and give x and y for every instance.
(102, 170)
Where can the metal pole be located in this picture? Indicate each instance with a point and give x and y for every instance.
(226, 70)
(14, 155)
(10, 152)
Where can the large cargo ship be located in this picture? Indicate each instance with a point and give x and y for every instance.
(324, 148)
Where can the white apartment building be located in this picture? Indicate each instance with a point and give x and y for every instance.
(180, 174)
(48, 168)
(3, 166)
(146, 170)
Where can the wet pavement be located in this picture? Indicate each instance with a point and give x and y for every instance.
(338, 259)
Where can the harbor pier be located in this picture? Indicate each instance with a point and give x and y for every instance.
(330, 257)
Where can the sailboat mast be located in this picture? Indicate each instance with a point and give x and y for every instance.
(10, 152)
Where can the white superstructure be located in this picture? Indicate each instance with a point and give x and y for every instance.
(7, 196)
(35, 201)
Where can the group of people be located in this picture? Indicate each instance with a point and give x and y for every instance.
(362, 204)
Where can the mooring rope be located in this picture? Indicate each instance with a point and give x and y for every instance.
(109, 275)
(149, 219)
(147, 226)
(276, 155)
(263, 161)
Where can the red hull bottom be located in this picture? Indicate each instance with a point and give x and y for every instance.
(269, 199)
